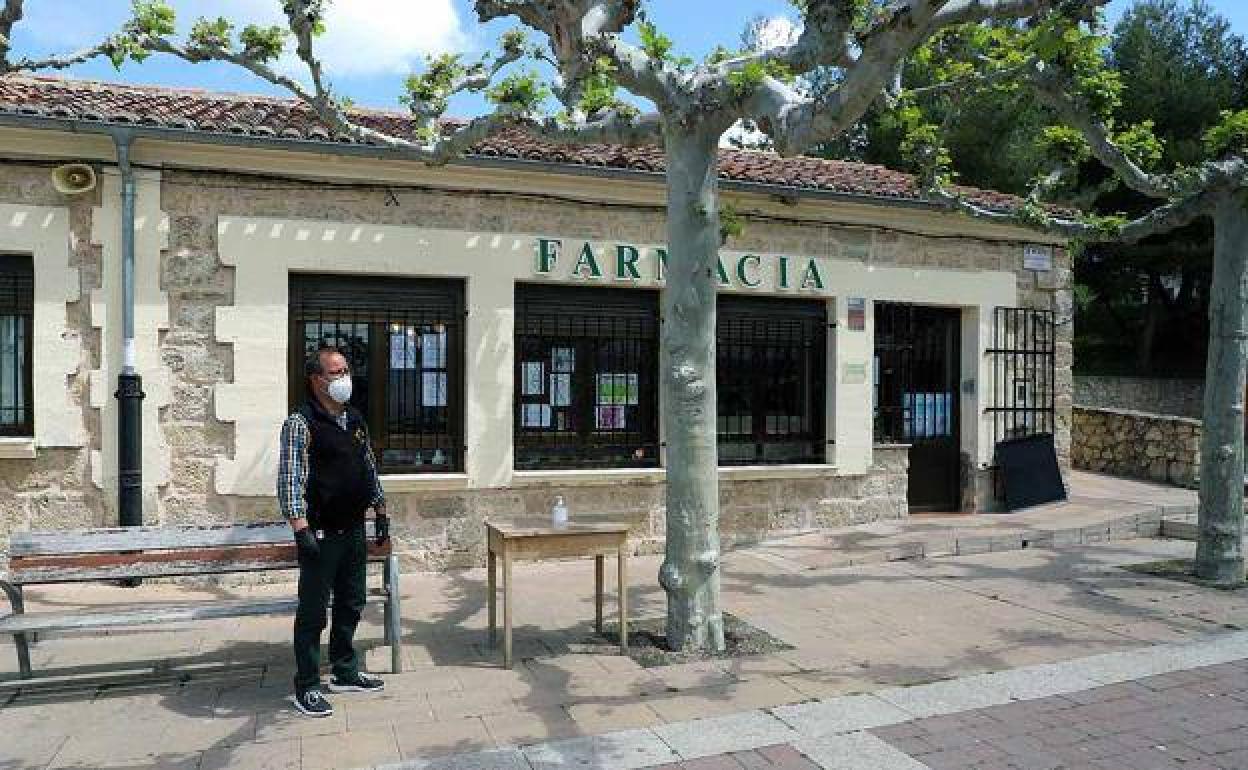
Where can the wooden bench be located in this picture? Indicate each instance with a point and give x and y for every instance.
(84, 555)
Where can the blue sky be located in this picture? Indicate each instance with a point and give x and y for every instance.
(366, 61)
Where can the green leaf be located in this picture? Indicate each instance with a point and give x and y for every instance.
(263, 43)
(523, 91)
(1229, 135)
(657, 45)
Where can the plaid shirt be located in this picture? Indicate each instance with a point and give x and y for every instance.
(292, 467)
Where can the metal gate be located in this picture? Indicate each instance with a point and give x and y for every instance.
(917, 363)
(1024, 370)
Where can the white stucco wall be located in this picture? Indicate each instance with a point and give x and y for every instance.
(264, 251)
(43, 233)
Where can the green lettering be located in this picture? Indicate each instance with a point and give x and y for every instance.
(587, 258)
(547, 254)
(812, 273)
(784, 272)
(660, 264)
(626, 262)
(741, 274)
(723, 274)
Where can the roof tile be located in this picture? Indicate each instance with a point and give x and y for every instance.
(283, 119)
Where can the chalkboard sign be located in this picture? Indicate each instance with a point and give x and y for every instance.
(1029, 471)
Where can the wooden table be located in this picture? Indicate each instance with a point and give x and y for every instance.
(515, 540)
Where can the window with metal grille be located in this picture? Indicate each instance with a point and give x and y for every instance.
(586, 368)
(1024, 372)
(17, 301)
(770, 374)
(403, 339)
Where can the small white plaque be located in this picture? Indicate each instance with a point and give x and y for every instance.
(1037, 257)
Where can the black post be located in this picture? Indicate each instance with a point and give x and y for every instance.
(130, 449)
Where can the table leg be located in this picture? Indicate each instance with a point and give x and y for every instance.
(623, 585)
(507, 594)
(491, 589)
(599, 561)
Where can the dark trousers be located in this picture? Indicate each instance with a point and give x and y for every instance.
(340, 569)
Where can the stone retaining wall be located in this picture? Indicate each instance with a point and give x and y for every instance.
(1183, 398)
(1137, 445)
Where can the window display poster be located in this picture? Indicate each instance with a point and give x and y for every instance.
(563, 359)
(532, 378)
(433, 389)
(402, 350)
(618, 389)
(928, 414)
(535, 415)
(609, 417)
(433, 350)
(560, 389)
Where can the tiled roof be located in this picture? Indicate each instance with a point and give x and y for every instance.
(267, 117)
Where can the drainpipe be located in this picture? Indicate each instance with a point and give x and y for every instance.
(129, 384)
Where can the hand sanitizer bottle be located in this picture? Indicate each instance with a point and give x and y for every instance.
(559, 513)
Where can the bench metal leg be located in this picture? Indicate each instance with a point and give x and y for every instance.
(394, 631)
(14, 593)
(385, 610)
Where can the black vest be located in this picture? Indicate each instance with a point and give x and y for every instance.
(340, 484)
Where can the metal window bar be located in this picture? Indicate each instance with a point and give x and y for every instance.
(586, 392)
(770, 374)
(1024, 373)
(17, 298)
(403, 339)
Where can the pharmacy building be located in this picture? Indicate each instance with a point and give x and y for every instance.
(501, 317)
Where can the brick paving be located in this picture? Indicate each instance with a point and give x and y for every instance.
(1186, 720)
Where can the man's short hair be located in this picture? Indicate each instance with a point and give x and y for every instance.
(313, 363)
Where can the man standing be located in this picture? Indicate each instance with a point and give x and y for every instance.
(326, 481)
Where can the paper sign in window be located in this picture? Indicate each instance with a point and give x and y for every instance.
(433, 389)
(532, 378)
(535, 415)
(560, 389)
(609, 417)
(618, 389)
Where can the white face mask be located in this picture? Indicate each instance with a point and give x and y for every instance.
(340, 389)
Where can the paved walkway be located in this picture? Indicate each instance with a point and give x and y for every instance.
(213, 695)
(1168, 707)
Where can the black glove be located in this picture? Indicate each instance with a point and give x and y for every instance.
(382, 525)
(306, 545)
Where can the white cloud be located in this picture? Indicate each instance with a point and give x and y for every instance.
(770, 32)
(362, 37)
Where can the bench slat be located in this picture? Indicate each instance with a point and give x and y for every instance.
(133, 616)
(118, 539)
(74, 568)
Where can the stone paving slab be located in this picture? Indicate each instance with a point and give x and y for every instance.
(218, 690)
(953, 725)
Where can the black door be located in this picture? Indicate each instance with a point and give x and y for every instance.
(917, 359)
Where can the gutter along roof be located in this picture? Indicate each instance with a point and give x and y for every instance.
(226, 118)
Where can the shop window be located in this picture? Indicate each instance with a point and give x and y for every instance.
(17, 300)
(403, 339)
(770, 374)
(586, 369)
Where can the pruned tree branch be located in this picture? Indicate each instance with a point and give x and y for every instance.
(1162, 219)
(10, 15)
(1052, 91)
(826, 40)
(900, 29)
(443, 144)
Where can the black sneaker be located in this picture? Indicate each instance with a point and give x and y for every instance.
(361, 682)
(312, 703)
